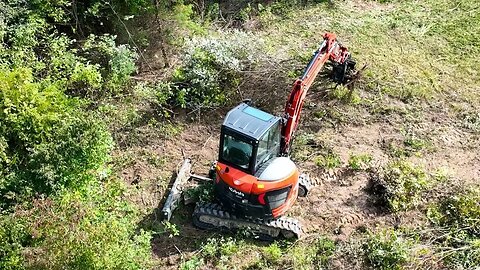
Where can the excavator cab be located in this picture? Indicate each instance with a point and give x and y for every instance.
(249, 138)
(252, 179)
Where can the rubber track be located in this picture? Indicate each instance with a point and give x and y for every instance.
(284, 224)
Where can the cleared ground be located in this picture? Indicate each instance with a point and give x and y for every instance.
(418, 101)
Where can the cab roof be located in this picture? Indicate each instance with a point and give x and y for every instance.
(249, 121)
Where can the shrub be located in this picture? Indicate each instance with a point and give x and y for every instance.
(117, 62)
(93, 230)
(457, 218)
(47, 142)
(212, 69)
(386, 250)
(399, 185)
(52, 53)
(101, 234)
(461, 211)
(13, 235)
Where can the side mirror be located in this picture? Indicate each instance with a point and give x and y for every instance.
(247, 101)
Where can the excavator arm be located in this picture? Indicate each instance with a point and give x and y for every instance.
(339, 56)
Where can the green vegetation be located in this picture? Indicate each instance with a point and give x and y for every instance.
(471, 121)
(211, 69)
(387, 250)
(227, 252)
(457, 220)
(73, 231)
(201, 193)
(48, 142)
(329, 160)
(75, 128)
(399, 185)
(359, 162)
(59, 207)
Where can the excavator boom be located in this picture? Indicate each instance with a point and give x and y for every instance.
(331, 50)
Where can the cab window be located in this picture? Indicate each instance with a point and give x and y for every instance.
(236, 151)
(268, 146)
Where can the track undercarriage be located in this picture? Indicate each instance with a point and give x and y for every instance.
(212, 216)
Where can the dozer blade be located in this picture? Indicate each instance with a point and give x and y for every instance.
(175, 195)
(211, 216)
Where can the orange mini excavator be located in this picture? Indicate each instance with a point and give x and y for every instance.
(255, 181)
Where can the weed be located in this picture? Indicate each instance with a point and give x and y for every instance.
(220, 250)
(325, 250)
(302, 257)
(399, 185)
(359, 162)
(412, 142)
(330, 160)
(457, 219)
(193, 263)
(386, 250)
(272, 254)
(204, 192)
(154, 159)
(170, 129)
(170, 228)
(471, 121)
(221, 247)
(346, 95)
(442, 175)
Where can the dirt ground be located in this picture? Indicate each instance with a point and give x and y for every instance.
(340, 204)
(337, 207)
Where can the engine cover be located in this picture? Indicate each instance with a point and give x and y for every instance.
(279, 168)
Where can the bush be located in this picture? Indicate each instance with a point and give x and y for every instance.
(212, 69)
(13, 236)
(95, 230)
(461, 211)
(46, 142)
(399, 185)
(457, 218)
(78, 67)
(117, 62)
(386, 250)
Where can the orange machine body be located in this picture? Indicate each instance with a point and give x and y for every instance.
(249, 196)
(254, 176)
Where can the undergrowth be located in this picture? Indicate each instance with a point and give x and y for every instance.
(399, 185)
(457, 221)
(387, 250)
